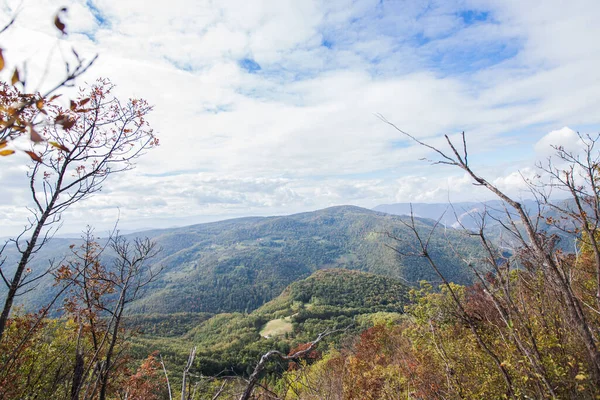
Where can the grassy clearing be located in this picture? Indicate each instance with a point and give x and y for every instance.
(276, 327)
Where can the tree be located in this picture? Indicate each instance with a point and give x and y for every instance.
(83, 355)
(301, 351)
(536, 251)
(98, 297)
(98, 136)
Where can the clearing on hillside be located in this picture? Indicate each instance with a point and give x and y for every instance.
(276, 327)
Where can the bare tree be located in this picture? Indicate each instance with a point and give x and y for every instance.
(97, 299)
(131, 273)
(255, 376)
(98, 136)
(422, 250)
(578, 176)
(184, 382)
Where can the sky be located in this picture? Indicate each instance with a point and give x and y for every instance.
(269, 107)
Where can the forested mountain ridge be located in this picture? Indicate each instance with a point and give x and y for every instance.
(238, 265)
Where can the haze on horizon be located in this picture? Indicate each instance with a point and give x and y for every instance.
(268, 107)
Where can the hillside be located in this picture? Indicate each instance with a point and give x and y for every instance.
(238, 265)
(332, 298)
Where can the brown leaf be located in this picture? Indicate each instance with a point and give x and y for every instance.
(33, 156)
(65, 121)
(58, 23)
(5, 153)
(35, 137)
(1, 60)
(59, 146)
(15, 77)
(3, 144)
(84, 102)
(73, 105)
(56, 96)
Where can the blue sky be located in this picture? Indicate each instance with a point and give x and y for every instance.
(275, 101)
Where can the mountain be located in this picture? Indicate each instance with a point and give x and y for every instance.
(467, 214)
(238, 265)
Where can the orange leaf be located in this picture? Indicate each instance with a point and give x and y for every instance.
(5, 153)
(15, 77)
(33, 156)
(1, 60)
(59, 146)
(3, 144)
(40, 106)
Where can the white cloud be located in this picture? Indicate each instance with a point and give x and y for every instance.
(300, 132)
(565, 137)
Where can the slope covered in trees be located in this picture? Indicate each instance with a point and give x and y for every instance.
(328, 299)
(238, 265)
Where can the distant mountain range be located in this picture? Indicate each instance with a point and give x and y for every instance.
(240, 264)
(467, 214)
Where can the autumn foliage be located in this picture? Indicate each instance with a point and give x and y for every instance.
(432, 354)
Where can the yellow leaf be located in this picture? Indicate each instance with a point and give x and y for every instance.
(1, 60)
(4, 153)
(15, 77)
(580, 377)
(59, 146)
